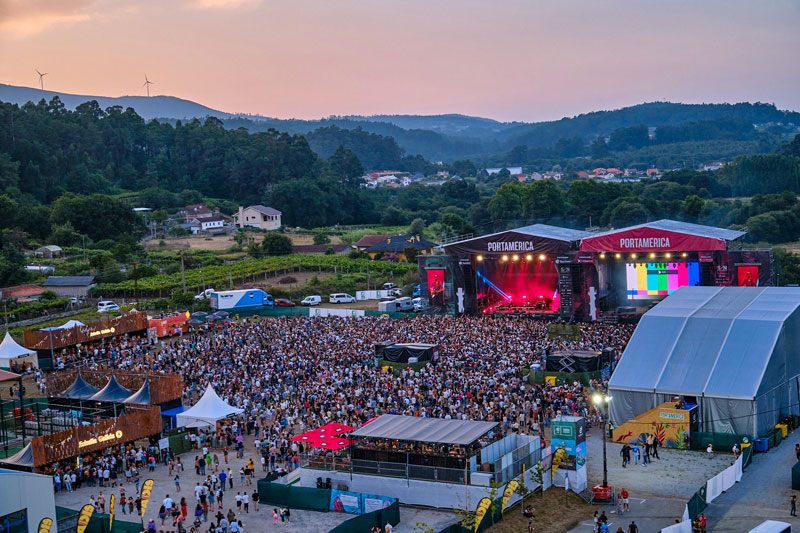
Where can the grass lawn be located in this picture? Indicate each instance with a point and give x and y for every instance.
(555, 513)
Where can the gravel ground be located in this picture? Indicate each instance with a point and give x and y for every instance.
(433, 518)
(678, 473)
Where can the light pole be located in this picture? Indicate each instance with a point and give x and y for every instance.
(599, 400)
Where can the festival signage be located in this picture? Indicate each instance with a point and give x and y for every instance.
(45, 525)
(569, 433)
(511, 488)
(84, 516)
(111, 513)
(106, 437)
(480, 511)
(147, 490)
(644, 239)
(345, 502)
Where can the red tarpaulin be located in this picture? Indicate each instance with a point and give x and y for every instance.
(328, 431)
(330, 443)
(650, 240)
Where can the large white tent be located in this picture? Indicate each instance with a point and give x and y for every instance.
(209, 409)
(11, 351)
(733, 350)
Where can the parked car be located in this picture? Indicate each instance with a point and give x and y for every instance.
(417, 292)
(312, 300)
(341, 298)
(206, 294)
(106, 305)
(404, 304)
(283, 302)
(389, 286)
(420, 304)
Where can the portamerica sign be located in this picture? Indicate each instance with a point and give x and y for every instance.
(644, 242)
(510, 246)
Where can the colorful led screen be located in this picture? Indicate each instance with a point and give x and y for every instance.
(653, 280)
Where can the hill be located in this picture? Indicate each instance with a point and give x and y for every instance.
(146, 107)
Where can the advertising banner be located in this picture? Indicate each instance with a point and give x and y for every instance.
(345, 502)
(84, 516)
(481, 510)
(511, 488)
(147, 490)
(371, 502)
(45, 525)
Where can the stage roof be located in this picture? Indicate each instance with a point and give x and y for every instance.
(699, 230)
(418, 429)
(535, 238)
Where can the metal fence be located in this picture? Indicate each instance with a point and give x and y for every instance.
(409, 471)
(524, 457)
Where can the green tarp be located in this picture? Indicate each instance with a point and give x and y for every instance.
(294, 497)
(365, 522)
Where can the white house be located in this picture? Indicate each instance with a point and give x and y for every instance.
(514, 171)
(208, 223)
(258, 216)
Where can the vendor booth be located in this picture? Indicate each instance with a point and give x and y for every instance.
(12, 354)
(208, 410)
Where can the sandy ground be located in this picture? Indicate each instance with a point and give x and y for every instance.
(254, 521)
(193, 242)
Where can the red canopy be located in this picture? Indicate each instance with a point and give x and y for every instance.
(326, 432)
(330, 443)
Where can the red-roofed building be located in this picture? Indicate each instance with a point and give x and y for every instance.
(31, 292)
(370, 240)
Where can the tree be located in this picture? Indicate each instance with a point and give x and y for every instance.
(452, 222)
(65, 235)
(692, 207)
(97, 216)
(599, 148)
(411, 254)
(12, 266)
(321, 238)
(506, 203)
(275, 243)
(346, 167)
(464, 168)
(543, 200)
(417, 227)
(8, 211)
(628, 213)
(393, 216)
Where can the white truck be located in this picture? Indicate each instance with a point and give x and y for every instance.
(205, 295)
(239, 299)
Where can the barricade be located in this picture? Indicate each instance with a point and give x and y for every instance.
(365, 522)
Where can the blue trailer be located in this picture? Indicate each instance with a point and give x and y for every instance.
(240, 299)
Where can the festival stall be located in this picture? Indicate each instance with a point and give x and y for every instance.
(209, 409)
(13, 353)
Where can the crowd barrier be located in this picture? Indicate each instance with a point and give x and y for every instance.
(369, 510)
(314, 311)
(561, 378)
(99, 522)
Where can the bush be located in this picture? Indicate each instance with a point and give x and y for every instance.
(321, 238)
(287, 280)
(49, 296)
(182, 299)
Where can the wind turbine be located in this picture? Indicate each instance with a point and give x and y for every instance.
(147, 83)
(41, 78)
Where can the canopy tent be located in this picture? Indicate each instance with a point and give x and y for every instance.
(141, 396)
(22, 459)
(328, 431)
(428, 430)
(79, 390)
(209, 408)
(112, 392)
(66, 325)
(11, 351)
(330, 443)
(731, 349)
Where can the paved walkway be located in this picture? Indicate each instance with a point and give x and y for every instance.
(763, 494)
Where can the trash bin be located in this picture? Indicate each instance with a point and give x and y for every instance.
(762, 445)
(784, 429)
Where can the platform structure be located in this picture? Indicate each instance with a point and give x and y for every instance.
(543, 271)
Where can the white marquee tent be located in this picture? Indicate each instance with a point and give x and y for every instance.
(209, 409)
(733, 350)
(11, 351)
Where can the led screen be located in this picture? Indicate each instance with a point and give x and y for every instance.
(653, 280)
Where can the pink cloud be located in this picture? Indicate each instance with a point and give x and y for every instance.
(23, 18)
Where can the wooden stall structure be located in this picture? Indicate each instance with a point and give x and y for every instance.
(61, 338)
(164, 388)
(136, 423)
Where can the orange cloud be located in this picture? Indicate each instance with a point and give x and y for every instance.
(23, 18)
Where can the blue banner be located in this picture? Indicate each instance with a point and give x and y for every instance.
(345, 502)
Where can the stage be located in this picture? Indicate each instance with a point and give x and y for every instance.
(543, 271)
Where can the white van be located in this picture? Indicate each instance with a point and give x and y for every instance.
(312, 300)
(341, 298)
(404, 304)
(106, 305)
(420, 304)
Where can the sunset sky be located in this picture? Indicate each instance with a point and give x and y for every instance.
(505, 59)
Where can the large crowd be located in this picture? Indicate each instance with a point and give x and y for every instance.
(299, 373)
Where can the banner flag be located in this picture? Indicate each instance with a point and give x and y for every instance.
(111, 512)
(83, 517)
(147, 489)
(45, 525)
(511, 488)
(480, 511)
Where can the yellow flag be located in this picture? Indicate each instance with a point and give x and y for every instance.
(147, 489)
(551, 380)
(480, 511)
(84, 516)
(511, 488)
(557, 458)
(111, 512)
(45, 525)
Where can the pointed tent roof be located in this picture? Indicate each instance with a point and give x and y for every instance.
(209, 408)
(79, 390)
(141, 396)
(23, 458)
(112, 392)
(9, 349)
